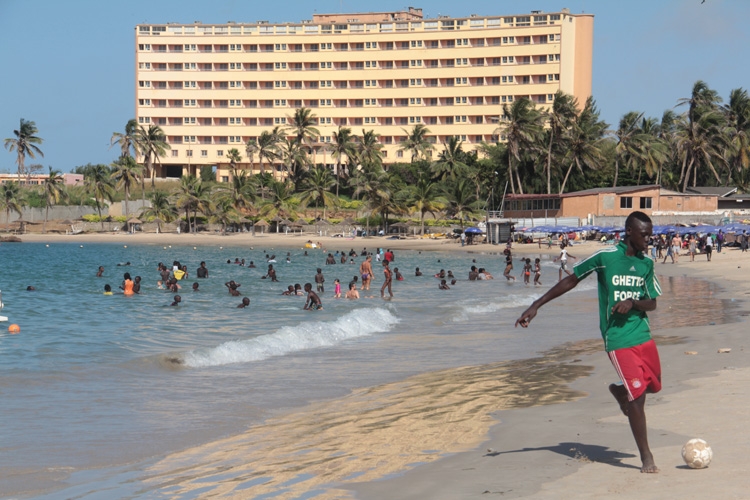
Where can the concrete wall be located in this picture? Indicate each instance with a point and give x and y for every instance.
(55, 213)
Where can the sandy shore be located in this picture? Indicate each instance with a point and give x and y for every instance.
(584, 449)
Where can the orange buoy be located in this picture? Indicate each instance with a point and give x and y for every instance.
(14, 328)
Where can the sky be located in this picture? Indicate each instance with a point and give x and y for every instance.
(69, 65)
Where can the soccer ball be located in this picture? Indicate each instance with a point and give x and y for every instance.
(697, 454)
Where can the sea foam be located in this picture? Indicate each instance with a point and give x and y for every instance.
(289, 339)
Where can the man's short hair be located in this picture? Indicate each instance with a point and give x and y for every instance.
(637, 216)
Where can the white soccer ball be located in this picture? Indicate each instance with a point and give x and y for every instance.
(697, 454)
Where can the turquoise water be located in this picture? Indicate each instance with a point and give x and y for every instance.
(91, 382)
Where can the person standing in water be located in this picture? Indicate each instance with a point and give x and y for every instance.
(628, 289)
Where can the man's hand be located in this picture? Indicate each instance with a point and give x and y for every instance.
(526, 317)
(624, 306)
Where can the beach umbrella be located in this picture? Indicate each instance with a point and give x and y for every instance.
(301, 222)
(322, 222)
(473, 230)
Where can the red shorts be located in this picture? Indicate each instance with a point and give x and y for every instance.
(639, 368)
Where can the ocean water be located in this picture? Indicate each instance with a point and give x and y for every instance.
(93, 383)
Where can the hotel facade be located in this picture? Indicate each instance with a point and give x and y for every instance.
(214, 87)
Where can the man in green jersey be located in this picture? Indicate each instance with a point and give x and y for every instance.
(628, 289)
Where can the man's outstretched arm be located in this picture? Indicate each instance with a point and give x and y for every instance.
(560, 288)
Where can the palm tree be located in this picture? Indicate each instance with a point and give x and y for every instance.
(194, 195)
(152, 144)
(652, 151)
(629, 138)
(267, 149)
(241, 191)
(316, 188)
(416, 142)
(667, 134)
(161, 209)
(343, 145)
(462, 203)
(522, 126)
(425, 197)
(737, 112)
(369, 147)
(560, 116)
(376, 190)
(234, 157)
(281, 201)
(302, 126)
(294, 159)
(54, 192)
(585, 141)
(99, 185)
(126, 173)
(224, 213)
(10, 199)
(24, 144)
(450, 161)
(251, 147)
(127, 141)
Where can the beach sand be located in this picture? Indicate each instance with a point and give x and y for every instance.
(448, 435)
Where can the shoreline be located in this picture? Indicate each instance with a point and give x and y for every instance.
(584, 448)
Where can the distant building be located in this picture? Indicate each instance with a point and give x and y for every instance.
(607, 202)
(38, 179)
(214, 87)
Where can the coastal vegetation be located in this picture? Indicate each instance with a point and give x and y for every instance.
(700, 141)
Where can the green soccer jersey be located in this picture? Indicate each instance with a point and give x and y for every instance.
(621, 277)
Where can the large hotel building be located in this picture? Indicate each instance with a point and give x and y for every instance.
(214, 87)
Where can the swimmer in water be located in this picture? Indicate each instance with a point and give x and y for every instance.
(127, 285)
(100, 272)
(233, 286)
(245, 303)
(177, 300)
(352, 293)
(195, 287)
(107, 290)
(313, 302)
(137, 285)
(443, 285)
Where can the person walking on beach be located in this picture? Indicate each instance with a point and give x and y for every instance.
(388, 280)
(563, 258)
(709, 247)
(628, 289)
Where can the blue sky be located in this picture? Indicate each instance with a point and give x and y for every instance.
(69, 65)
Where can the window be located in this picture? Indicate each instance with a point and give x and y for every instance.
(415, 100)
(626, 202)
(280, 84)
(220, 152)
(509, 39)
(204, 153)
(279, 121)
(416, 43)
(416, 63)
(235, 138)
(235, 121)
(462, 81)
(280, 65)
(279, 103)
(415, 82)
(234, 85)
(463, 41)
(645, 202)
(280, 46)
(144, 102)
(188, 120)
(174, 153)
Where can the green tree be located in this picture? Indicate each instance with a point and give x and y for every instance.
(376, 190)
(302, 125)
(54, 193)
(280, 201)
(125, 174)
(629, 140)
(10, 199)
(152, 144)
(241, 191)
(267, 149)
(737, 112)
(99, 185)
(560, 117)
(369, 148)
(424, 197)
(194, 195)
(24, 144)
(585, 141)
(127, 141)
(343, 145)
(416, 142)
(522, 126)
(161, 209)
(451, 161)
(462, 203)
(234, 157)
(316, 189)
(224, 213)
(295, 161)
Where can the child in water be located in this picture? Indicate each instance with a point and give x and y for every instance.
(177, 300)
(313, 302)
(537, 271)
(352, 293)
(443, 285)
(526, 271)
(107, 290)
(337, 288)
(399, 276)
(245, 303)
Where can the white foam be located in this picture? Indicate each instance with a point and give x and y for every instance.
(307, 335)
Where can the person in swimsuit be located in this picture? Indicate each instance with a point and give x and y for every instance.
(443, 285)
(202, 271)
(319, 280)
(127, 285)
(388, 280)
(508, 265)
(365, 269)
(352, 293)
(177, 300)
(107, 290)
(337, 288)
(537, 271)
(233, 286)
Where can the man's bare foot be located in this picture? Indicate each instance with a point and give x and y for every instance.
(649, 467)
(621, 395)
